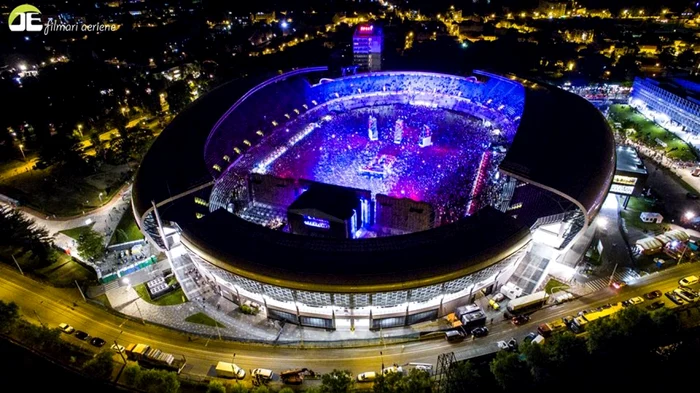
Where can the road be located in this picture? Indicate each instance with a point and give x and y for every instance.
(48, 305)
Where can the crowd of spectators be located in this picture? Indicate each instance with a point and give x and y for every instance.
(320, 133)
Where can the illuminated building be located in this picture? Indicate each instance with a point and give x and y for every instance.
(367, 47)
(672, 103)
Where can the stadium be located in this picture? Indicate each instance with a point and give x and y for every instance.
(374, 200)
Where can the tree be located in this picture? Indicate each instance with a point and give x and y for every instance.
(216, 387)
(666, 323)
(21, 236)
(463, 374)
(510, 373)
(337, 381)
(9, 315)
(260, 389)
(63, 150)
(417, 381)
(157, 381)
(238, 388)
(100, 366)
(90, 245)
(178, 96)
(537, 360)
(131, 374)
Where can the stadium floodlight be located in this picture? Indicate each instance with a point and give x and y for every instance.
(689, 215)
(284, 24)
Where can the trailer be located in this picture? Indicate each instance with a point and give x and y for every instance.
(148, 356)
(527, 303)
(294, 376)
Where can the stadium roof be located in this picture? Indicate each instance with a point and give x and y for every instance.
(563, 144)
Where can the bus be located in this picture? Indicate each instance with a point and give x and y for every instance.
(527, 303)
(578, 325)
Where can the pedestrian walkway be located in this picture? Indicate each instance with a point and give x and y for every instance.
(626, 275)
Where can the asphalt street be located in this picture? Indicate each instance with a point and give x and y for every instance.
(48, 305)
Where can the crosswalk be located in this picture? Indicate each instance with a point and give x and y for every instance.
(626, 275)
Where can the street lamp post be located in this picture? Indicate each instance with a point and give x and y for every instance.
(100, 196)
(21, 150)
(381, 355)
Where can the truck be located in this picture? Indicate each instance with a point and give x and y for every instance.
(547, 329)
(472, 320)
(294, 376)
(527, 303)
(148, 356)
(229, 370)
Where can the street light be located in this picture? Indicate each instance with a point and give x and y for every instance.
(689, 215)
(100, 196)
(21, 150)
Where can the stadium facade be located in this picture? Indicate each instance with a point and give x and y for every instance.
(672, 103)
(546, 160)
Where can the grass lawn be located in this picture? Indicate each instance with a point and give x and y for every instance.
(171, 299)
(126, 230)
(65, 271)
(103, 299)
(648, 132)
(75, 233)
(552, 284)
(204, 319)
(634, 208)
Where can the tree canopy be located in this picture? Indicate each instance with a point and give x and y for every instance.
(91, 245)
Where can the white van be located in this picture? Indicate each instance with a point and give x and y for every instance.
(369, 376)
(261, 373)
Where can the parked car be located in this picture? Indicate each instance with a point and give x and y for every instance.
(481, 331)
(653, 294)
(494, 304)
(261, 374)
(520, 319)
(633, 301)
(66, 328)
(656, 305)
(98, 342)
(117, 348)
(81, 335)
(531, 336)
(690, 195)
(498, 297)
(674, 298)
(454, 335)
(685, 294)
(688, 281)
(392, 369)
(369, 376)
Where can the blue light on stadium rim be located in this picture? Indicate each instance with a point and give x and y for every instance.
(284, 24)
